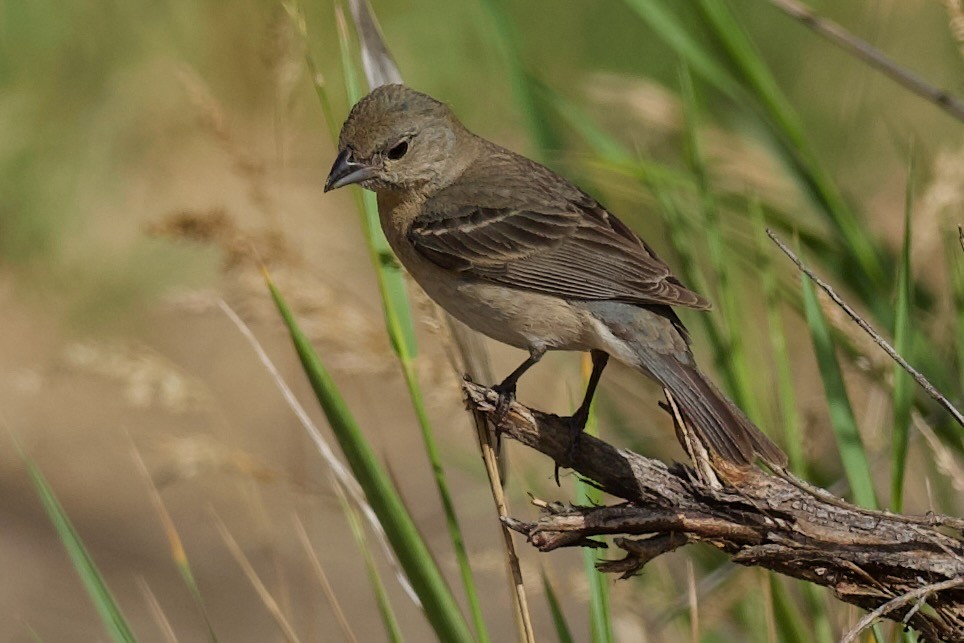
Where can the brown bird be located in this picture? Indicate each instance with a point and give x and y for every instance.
(515, 251)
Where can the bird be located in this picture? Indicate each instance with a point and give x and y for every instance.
(515, 251)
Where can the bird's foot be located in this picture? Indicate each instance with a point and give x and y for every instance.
(576, 423)
(506, 398)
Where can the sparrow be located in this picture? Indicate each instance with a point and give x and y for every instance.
(520, 254)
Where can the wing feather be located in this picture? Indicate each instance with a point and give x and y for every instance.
(546, 236)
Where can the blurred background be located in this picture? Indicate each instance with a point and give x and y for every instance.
(152, 153)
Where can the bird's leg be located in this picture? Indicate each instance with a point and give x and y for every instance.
(506, 388)
(577, 421)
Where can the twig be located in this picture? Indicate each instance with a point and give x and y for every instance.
(878, 339)
(475, 364)
(920, 594)
(872, 56)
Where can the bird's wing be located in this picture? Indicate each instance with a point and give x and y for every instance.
(567, 246)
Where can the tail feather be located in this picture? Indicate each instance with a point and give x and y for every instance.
(722, 427)
(653, 339)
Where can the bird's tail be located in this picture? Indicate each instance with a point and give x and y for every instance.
(719, 424)
(654, 340)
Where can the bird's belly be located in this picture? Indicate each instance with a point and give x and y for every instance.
(516, 317)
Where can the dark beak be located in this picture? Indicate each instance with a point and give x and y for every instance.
(346, 171)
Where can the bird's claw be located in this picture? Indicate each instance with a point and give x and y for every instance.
(506, 398)
(576, 423)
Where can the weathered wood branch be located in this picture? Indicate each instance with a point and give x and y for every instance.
(868, 558)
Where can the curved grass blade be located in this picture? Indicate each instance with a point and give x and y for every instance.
(413, 554)
(954, 258)
(178, 552)
(790, 418)
(540, 129)
(788, 127)
(668, 26)
(558, 617)
(747, 80)
(903, 385)
(600, 619)
(97, 589)
(679, 233)
(401, 330)
(730, 349)
(385, 610)
(611, 152)
(842, 419)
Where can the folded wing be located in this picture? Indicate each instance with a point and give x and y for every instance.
(567, 246)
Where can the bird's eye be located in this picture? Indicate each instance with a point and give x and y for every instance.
(398, 151)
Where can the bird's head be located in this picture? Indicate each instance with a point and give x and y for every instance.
(396, 138)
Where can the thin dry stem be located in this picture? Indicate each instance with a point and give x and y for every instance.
(873, 57)
(694, 604)
(323, 581)
(163, 624)
(269, 601)
(867, 328)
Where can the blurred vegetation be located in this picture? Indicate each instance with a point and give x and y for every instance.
(699, 123)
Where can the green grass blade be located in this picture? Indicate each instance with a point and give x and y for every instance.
(385, 610)
(754, 74)
(680, 238)
(93, 582)
(600, 619)
(401, 330)
(903, 385)
(448, 505)
(793, 438)
(730, 348)
(391, 278)
(178, 552)
(746, 79)
(667, 25)
(790, 624)
(954, 257)
(540, 129)
(611, 153)
(563, 633)
(842, 420)
(413, 554)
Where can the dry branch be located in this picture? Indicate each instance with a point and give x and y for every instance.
(868, 558)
